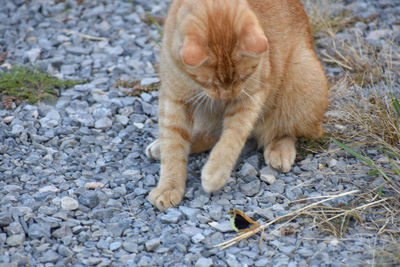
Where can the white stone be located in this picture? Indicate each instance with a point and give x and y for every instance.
(198, 238)
(49, 188)
(138, 125)
(268, 178)
(69, 203)
(33, 54)
(8, 119)
(131, 173)
(149, 81)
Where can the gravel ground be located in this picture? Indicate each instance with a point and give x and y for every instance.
(52, 156)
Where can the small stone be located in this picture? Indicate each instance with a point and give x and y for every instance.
(332, 163)
(268, 178)
(287, 249)
(115, 245)
(248, 170)
(67, 69)
(103, 123)
(14, 228)
(38, 231)
(149, 81)
(33, 54)
(250, 189)
(68, 203)
(5, 219)
(131, 172)
(262, 262)
(152, 244)
(122, 119)
(94, 185)
(278, 187)
(89, 199)
(198, 238)
(15, 240)
(8, 119)
(146, 97)
(215, 212)
(223, 227)
(204, 262)
(144, 261)
(172, 216)
(116, 51)
(130, 246)
(49, 188)
(49, 256)
(17, 129)
(189, 212)
(138, 125)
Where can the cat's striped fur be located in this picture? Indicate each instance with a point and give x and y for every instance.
(229, 69)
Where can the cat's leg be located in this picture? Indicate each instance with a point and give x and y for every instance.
(239, 120)
(281, 153)
(174, 147)
(297, 113)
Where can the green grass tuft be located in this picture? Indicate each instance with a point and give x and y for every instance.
(30, 84)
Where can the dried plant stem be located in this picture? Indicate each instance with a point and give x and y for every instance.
(85, 36)
(350, 211)
(295, 213)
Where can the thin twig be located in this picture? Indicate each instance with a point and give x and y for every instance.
(85, 36)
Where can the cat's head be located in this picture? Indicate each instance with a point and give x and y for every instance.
(221, 45)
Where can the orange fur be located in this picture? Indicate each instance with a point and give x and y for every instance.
(229, 69)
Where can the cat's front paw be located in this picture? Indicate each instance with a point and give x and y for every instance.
(213, 177)
(165, 197)
(153, 150)
(281, 154)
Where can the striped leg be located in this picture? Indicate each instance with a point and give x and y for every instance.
(175, 146)
(238, 124)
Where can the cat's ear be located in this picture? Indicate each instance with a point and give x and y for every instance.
(193, 53)
(253, 42)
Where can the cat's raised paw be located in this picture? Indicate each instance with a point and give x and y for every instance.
(165, 197)
(281, 154)
(213, 178)
(153, 150)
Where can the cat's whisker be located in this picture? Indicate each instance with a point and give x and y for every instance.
(249, 96)
(194, 98)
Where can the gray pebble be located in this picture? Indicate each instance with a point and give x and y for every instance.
(115, 245)
(250, 189)
(172, 216)
(38, 231)
(152, 244)
(103, 123)
(278, 187)
(89, 199)
(5, 219)
(204, 262)
(15, 240)
(248, 170)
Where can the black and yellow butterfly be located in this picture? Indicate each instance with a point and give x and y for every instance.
(241, 222)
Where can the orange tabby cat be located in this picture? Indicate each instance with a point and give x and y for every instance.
(231, 68)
